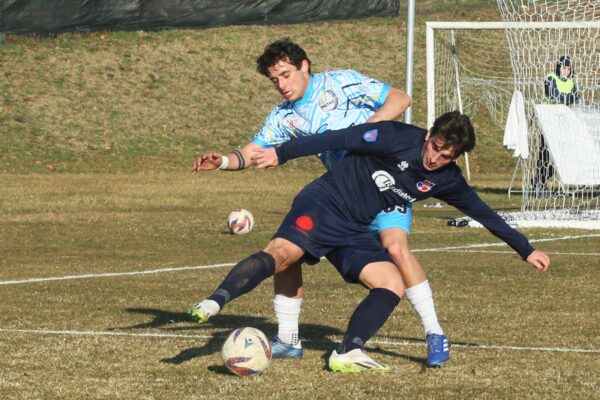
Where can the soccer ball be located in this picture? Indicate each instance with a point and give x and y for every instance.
(240, 221)
(246, 352)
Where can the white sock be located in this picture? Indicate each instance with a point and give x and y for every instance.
(210, 306)
(287, 312)
(421, 298)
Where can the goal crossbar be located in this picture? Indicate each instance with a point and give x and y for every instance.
(431, 26)
(480, 68)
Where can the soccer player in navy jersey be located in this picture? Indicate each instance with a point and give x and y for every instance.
(313, 104)
(389, 164)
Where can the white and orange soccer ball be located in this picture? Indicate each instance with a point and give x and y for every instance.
(240, 221)
(246, 352)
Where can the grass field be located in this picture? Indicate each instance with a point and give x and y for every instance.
(106, 239)
(97, 271)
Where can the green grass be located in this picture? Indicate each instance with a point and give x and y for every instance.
(98, 135)
(130, 101)
(80, 224)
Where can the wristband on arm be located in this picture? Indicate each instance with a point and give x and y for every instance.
(224, 162)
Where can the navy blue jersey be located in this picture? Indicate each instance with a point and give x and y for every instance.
(384, 168)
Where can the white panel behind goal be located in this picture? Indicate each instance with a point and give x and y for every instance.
(573, 145)
(479, 65)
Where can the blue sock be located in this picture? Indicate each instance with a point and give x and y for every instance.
(244, 276)
(368, 317)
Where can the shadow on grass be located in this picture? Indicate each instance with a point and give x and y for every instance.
(315, 336)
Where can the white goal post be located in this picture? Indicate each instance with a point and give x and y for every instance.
(478, 67)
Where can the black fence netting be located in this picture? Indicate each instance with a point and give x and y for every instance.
(53, 16)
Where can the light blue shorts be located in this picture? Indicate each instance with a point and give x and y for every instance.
(393, 217)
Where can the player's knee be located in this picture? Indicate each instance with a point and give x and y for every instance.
(383, 276)
(396, 286)
(284, 252)
(400, 252)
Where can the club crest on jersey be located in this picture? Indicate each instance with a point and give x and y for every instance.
(370, 136)
(403, 166)
(425, 186)
(328, 101)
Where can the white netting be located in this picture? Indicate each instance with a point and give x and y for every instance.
(479, 68)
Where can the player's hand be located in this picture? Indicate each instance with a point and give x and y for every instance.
(207, 162)
(265, 158)
(539, 260)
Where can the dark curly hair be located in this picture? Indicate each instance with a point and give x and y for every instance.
(456, 130)
(282, 49)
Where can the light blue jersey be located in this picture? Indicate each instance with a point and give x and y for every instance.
(333, 100)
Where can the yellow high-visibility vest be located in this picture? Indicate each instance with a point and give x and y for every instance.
(564, 87)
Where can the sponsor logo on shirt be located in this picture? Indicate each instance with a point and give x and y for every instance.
(403, 166)
(370, 136)
(294, 122)
(328, 101)
(385, 181)
(425, 186)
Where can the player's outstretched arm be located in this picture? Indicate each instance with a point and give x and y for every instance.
(235, 160)
(265, 158)
(394, 105)
(539, 260)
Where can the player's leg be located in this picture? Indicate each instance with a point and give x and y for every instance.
(386, 289)
(309, 224)
(393, 227)
(287, 303)
(365, 261)
(247, 274)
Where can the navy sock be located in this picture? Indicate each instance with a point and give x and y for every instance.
(244, 276)
(368, 317)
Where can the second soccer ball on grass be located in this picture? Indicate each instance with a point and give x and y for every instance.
(240, 221)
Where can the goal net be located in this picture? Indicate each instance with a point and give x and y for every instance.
(496, 71)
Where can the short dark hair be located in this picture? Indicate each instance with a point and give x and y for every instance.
(456, 130)
(282, 49)
(564, 61)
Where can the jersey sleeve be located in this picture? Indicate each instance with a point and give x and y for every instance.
(463, 197)
(379, 138)
(362, 91)
(273, 131)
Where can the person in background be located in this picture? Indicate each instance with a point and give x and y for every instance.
(559, 88)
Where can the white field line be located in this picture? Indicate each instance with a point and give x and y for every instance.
(556, 253)
(209, 337)
(475, 246)
(187, 268)
(111, 274)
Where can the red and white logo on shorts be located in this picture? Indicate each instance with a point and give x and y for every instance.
(304, 223)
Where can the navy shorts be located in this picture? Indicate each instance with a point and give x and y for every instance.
(318, 225)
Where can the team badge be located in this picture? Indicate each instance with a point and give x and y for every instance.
(370, 136)
(425, 186)
(403, 166)
(328, 101)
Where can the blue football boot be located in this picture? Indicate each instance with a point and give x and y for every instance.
(438, 349)
(280, 349)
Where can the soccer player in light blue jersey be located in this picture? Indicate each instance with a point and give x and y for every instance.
(313, 104)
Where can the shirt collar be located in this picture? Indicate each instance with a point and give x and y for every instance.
(309, 92)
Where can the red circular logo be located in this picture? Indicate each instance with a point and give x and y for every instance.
(304, 222)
